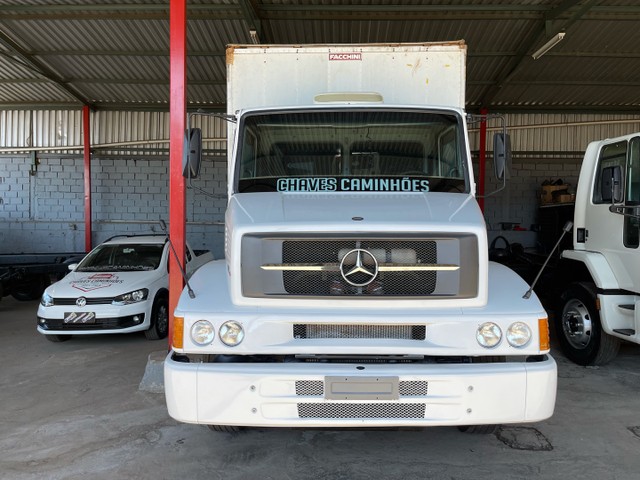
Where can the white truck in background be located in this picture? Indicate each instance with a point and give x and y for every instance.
(598, 281)
(356, 289)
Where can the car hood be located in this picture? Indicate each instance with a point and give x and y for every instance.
(101, 284)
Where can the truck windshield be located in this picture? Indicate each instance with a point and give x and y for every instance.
(347, 150)
(119, 258)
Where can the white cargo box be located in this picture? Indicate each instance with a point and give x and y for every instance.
(430, 74)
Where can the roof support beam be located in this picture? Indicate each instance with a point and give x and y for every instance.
(28, 61)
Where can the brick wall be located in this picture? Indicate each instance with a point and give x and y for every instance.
(44, 211)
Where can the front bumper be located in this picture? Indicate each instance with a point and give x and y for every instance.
(108, 319)
(291, 394)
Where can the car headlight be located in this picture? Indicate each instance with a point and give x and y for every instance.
(202, 332)
(231, 333)
(46, 300)
(131, 297)
(489, 335)
(518, 334)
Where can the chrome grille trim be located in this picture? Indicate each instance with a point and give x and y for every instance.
(304, 331)
(407, 388)
(361, 410)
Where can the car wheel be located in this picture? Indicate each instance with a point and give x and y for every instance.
(159, 319)
(58, 338)
(578, 325)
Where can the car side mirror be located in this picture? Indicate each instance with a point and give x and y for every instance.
(611, 184)
(72, 266)
(501, 154)
(192, 159)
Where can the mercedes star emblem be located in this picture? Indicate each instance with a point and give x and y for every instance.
(359, 267)
(81, 302)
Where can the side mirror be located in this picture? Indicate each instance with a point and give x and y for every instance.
(193, 153)
(611, 184)
(501, 154)
(72, 266)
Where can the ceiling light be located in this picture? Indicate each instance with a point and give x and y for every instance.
(556, 39)
(253, 34)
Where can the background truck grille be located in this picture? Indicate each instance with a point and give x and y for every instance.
(386, 251)
(361, 410)
(303, 331)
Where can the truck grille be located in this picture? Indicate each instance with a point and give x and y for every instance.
(349, 266)
(325, 283)
(361, 410)
(303, 331)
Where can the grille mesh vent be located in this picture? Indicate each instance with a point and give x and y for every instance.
(361, 410)
(315, 388)
(315, 283)
(390, 332)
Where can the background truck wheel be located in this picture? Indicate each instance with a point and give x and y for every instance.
(579, 330)
(159, 319)
(479, 429)
(58, 338)
(30, 288)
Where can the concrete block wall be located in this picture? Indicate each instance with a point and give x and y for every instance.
(42, 208)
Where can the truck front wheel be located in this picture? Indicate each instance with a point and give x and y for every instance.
(579, 329)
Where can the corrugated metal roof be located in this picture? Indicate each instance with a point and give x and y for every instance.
(116, 54)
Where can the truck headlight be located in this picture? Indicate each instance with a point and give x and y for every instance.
(518, 334)
(489, 335)
(131, 297)
(231, 333)
(202, 332)
(46, 300)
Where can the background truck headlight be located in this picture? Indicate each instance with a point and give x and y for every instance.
(489, 335)
(231, 333)
(518, 334)
(202, 332)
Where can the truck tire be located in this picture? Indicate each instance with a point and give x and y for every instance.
(479, 429)
(579, 329)
(58, 338)
(159, 319)
(30, 288)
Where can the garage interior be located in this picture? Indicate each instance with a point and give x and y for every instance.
(85, 154)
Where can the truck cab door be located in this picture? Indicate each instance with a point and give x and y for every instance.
(615, 191)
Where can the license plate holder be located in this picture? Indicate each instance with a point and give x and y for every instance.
(81, 318)
(361, 388)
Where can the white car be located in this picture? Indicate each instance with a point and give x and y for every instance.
(121, 286)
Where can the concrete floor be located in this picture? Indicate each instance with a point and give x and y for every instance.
(74, 411)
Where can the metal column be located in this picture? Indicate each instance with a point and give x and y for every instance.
(178, 109)
(86, 136)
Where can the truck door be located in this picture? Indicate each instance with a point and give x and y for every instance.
(611, 230)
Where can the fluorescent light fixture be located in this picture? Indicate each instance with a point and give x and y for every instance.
(556, 39)
(253, 35)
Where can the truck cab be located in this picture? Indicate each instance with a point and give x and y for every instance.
(601, 274)
(356, 289)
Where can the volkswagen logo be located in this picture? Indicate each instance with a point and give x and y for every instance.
(81, 302)
(359, 267)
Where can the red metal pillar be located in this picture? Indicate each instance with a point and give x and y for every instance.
(178, 109)
(86, 138)
(482, 159)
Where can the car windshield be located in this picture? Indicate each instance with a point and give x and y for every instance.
(346, 150)
(120, 258)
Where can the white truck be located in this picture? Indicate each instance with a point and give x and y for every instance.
(598, 281)
(356, 289)
(121, 286)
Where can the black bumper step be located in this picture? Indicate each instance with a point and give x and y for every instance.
(629, 332)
